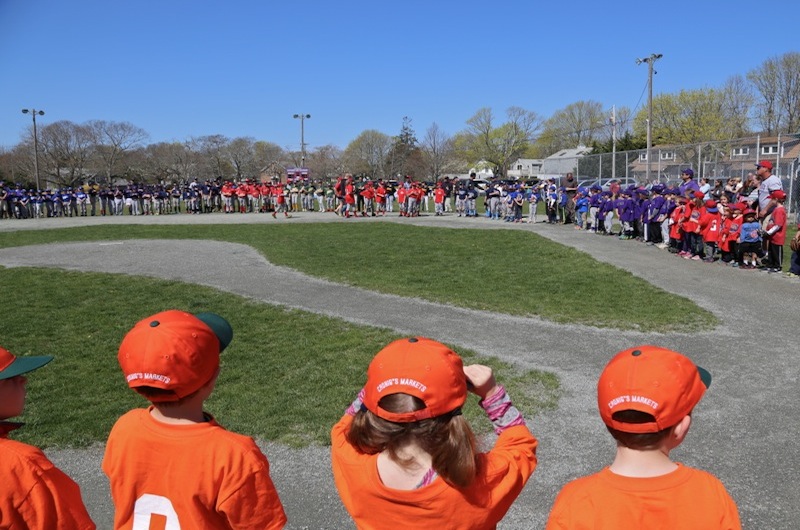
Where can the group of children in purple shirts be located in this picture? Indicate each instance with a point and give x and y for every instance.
(689, 223)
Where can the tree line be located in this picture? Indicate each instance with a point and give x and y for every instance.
(766, 100)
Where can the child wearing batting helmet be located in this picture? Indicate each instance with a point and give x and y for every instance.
(403, 455)
(646, 396)
(33, 492)
(172, 464)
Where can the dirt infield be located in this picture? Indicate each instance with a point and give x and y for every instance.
(744, 431)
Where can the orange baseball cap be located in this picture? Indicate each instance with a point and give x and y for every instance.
(650, 379)
(12, 366)
(174, 350)
(419, 367)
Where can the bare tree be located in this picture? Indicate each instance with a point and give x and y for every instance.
(213, 152)
(66, 148)
(16, 164)
(166, 162)
(242, 156)
(765, 79)
(438, 149)
(325, 162)
(579, 123)
(112, 140)
(268, 153)
(738, 103)
(789, 91)
(501, 145)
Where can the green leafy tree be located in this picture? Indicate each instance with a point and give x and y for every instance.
(405, 157)
(690, 116)
(366, 154)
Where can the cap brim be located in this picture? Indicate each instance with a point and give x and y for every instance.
(221, 328)
(23, 365)
(705, 376)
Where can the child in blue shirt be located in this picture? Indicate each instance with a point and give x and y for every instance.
(582, 209)
(749, 241)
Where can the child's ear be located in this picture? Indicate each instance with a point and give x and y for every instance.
(680, 430)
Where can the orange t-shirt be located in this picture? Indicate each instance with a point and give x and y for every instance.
(503, 472)
(36, 494)
(687, 498)
(188, 476)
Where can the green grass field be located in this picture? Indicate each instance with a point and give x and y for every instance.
(288, 375)
(507, 271)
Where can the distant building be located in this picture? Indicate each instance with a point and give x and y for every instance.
(525, 168)
(564, 161)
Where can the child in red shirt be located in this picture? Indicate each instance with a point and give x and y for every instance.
(675, 232)
(438, 198)
(710, 224)
(690, 224)
(776, 230)
(729, 237)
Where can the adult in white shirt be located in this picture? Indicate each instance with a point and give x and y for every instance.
(769, 183)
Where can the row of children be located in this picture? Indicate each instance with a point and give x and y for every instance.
(692, 226)
(403, 456)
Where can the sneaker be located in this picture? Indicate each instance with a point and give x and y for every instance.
(735, 264)
(790, 275)
(696, 258)
(686, 255)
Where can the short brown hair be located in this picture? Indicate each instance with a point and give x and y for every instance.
(638, 441)
(162, 397)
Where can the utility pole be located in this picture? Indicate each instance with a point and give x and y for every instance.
(649, 60)
(613, 142)
(34, 112)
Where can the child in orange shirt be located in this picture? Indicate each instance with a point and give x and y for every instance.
(403, 456)
(33, 492)
(646, 395)
(172, 464)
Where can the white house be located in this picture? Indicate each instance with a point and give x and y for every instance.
(525, 168)
(564, 161)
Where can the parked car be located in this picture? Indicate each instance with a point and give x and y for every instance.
(480, 184)
(605, 184)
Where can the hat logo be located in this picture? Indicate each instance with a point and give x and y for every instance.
(150, 376)
(633, 399)
(403, 381)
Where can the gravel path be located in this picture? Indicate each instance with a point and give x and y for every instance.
(743, 431)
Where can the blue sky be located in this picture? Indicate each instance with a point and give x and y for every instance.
(180, 68)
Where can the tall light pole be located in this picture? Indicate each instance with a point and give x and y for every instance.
(649, 60)
(302, 118)
(613, 121)
(34, 112)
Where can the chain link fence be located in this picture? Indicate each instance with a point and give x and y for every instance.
(724, 161)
